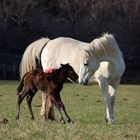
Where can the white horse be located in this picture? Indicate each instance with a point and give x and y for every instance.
(101, 57)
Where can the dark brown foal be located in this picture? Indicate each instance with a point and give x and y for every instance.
(49, 84)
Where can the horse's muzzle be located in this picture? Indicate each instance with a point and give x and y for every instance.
(83, 82)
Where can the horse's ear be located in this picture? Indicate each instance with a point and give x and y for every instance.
(61, 65)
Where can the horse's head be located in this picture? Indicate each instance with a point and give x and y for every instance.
(69, 72)
(88, 66)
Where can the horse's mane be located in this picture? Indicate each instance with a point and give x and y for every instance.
(105, 46)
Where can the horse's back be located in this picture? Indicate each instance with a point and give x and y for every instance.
(66, 45)
(67, 41)
(62, 50)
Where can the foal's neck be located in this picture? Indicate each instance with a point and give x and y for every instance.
(62, 76)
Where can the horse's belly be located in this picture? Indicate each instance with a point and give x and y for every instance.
(53, 57)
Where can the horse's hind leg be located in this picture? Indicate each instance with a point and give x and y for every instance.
(21, 96)
(29, 100)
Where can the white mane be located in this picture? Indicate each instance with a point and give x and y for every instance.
(105, 46)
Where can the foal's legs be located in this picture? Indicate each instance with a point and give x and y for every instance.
(50, 109)
(43, 108)
(29, 100)
(60, 106)
(63, 108)
(21, 96)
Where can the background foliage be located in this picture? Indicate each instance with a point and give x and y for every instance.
(22, 22)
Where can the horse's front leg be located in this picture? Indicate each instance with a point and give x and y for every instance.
(112, 93)
(103, 83)
(43, 108)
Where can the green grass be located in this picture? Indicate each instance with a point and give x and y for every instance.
(83, 104)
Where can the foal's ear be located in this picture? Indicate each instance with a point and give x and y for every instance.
(64, 64)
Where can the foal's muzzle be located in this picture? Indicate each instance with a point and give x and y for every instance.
(73, 81)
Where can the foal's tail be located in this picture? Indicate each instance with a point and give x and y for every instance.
(20, 87)
(30, 55)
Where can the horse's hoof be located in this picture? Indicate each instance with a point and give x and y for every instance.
(64, 122)
(16, 118)
(70, 121)
(110, 121)
(33, 119)
(4, 120)
(44, 119)
(51, 118)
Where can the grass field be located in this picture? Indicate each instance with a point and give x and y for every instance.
(83, 104)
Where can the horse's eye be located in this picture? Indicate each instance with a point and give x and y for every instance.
(86, 64)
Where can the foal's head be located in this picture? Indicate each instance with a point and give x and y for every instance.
(66, 71)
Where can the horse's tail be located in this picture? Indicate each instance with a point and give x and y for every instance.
(31, 54)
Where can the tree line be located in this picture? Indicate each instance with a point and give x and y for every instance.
(22, 22)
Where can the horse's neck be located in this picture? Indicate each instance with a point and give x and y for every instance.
(105, 48)
(108, 57)
(104, 58)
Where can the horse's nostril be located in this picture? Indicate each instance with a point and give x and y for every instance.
(86, 82)
(83, 82)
